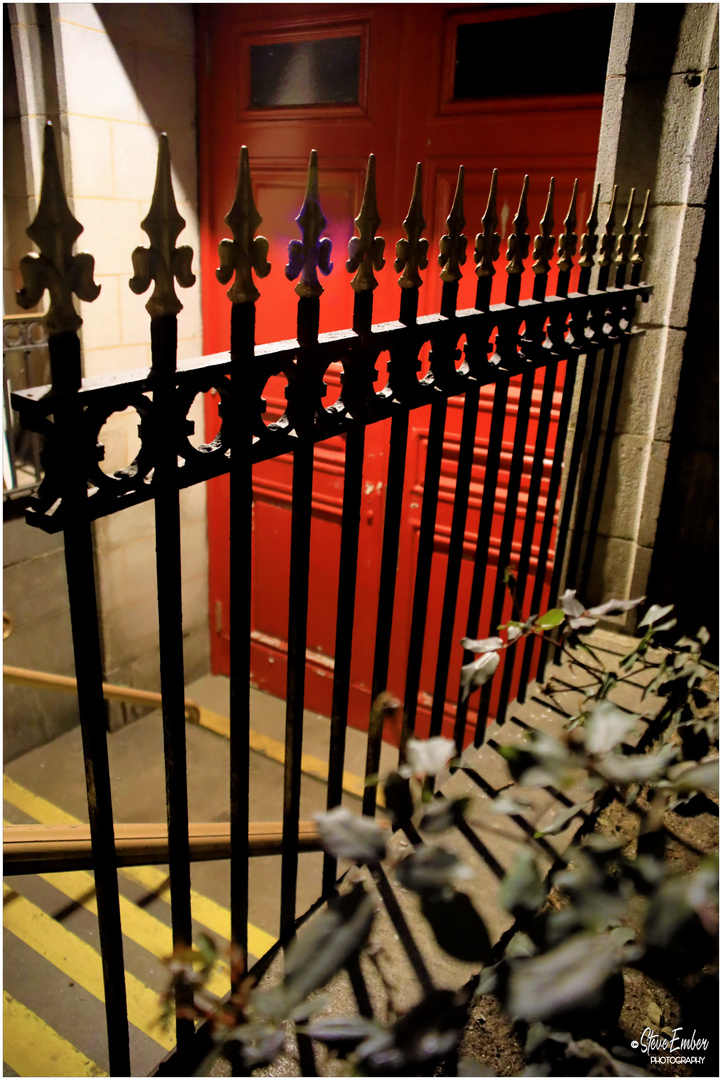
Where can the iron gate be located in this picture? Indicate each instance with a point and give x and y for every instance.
(506, 344)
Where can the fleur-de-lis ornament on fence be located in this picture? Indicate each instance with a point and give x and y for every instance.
(452, 246)
(518, 243)
(245, 252)
(544, 242)
(488, 242)
(568, 239)
(313, 253)
(162, 262)
(411, 253)
(609, 239)
(589, 238)
(641, 239)
(366, 251)
(625, 238)
(56, 269)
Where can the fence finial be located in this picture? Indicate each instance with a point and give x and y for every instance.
(162, 262)
(366, 251)
(411, 254)
(544, 242)
(641, 238)
(589, 239)
(55, 230)
(568, 239)
(487, 243)
(625, 238)
(452, 246)
(311, 254)
(518, 248)
(244, 252)
(609, 239)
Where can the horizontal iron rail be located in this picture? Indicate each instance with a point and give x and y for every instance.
(44, 849)
(102, 396)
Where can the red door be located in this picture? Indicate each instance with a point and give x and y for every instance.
(402, 82)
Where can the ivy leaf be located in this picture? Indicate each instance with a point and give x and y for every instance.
(348, 836)
(482, 645)
(701, 777)
(522, 890)
(429, 756)
(478, 672)
(442, 814)
(343, 1033)
(570, 976)
(614, 607)
(636, 768)
(319, 952)
(508, 804)
(654, 614)
(606, 727)
(550, 619)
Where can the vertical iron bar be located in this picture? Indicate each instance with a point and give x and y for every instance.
(164, 339)
(507, 532)
(456, 551)
(529, 525)
(550, 512)
(348, 565)
(302, 489)
(79, 563)
(481, 559)
(243, 317)
(427, 527)
(398, 440)
(572, 478)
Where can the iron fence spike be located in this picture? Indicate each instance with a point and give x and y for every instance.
(311, 254)
(412, 253)
(245, 252)
(452, 246)
(488, 242)
(366, 250)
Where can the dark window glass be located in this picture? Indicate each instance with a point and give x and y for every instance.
(306, 73)
(564, 52)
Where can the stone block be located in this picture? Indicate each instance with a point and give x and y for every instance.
(135, 159)
(197, 654)
(101, 318)
(36, 590)
(112, 231)
(678, 141)
(620, 40)
(82, 15)
(652, 493)
(193, 502)
(91, 156)
(21, 543)
(612, 566)
(97, 75)
(697, 40)
(625, 481)
(674, 239)
(150, 24)
(195, 601)
(705, 141)
(134, 319)
(640, 573)
(131, 632)
(126, 526)
(166, 86)
(686, 266)
(111, 361)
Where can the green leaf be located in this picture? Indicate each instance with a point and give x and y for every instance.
(551, 618)
(606, 727)
(334, 936)
(570, 976)
(522, 889)
(562, 820)
(702, 777)
(654, 614)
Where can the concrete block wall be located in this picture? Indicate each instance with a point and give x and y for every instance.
(124, 73)
(659, 131)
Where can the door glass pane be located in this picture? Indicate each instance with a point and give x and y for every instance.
(322, 72)
(563, 52)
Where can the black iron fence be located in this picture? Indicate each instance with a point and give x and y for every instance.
(563, 332)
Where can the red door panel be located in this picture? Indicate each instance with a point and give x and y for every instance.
(404, 113)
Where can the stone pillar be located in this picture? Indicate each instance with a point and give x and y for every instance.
(659, 131)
